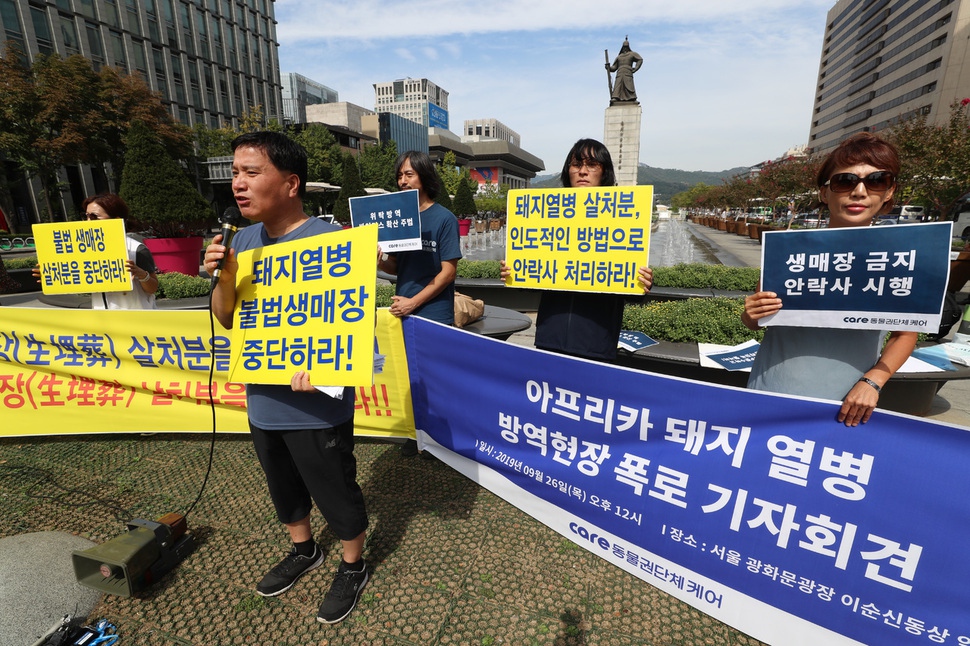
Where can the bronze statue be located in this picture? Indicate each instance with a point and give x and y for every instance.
(626, 64)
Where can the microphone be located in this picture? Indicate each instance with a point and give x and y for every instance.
(230, 220)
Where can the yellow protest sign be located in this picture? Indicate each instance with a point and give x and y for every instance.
(80, 257)
(307, 305)
(578, 239)
(384, 408)
(147, 371)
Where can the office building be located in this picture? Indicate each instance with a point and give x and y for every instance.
(887, 60)
(492, 160)
(210, 60)
(490, 149)
(342, 113)
(419, 100)
(497, 155)
(387, 126)
(489, 129)
(299, 93)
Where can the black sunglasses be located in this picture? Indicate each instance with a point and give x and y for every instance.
(881, 180)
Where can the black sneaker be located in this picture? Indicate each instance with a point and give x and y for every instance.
(343, 595)
(282, 577)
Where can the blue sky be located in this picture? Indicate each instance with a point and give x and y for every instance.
(725, 83)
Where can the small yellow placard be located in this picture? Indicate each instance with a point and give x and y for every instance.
(307, 305)
(81, 257)
(579, 239)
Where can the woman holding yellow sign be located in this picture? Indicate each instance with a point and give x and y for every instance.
(140, 263)
(583, 324)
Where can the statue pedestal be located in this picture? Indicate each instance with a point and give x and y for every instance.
(621, 134)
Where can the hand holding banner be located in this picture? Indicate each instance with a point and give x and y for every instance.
(396, 215)
(871, 278)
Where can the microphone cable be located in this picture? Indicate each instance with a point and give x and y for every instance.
(230, 220)
(212, 404)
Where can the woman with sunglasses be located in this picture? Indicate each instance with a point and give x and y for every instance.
(856, 182)
(140, 263)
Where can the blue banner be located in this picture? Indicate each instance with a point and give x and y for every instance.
(875, 278)
(397, 216)
(437, 116)
(759, 509)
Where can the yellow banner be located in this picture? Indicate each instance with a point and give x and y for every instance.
(579, 239)
(82, 257)
(307, 305)
(147, 371)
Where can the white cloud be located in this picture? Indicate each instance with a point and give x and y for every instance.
(724, 83)
(378, 19)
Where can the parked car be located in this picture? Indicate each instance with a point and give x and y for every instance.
(904, 213)
(809, 221)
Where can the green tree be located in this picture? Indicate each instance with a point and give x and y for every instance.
(213, 142)
(935, 158)
(464, 204)
(254, 120)
(159, 194)
(449, 173)
(350, 186)
(789, 181)
(319, 144)
(60, 112)
(687, 199)
(443, 198)
(321, 148)
(123, 99)
(492, 198)
(47, 117)
(377, 166)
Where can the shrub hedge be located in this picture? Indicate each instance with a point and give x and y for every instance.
(478, 268)
(704, 320)
(24, 262)
(174, 285)
(699, 275)
(383, 295)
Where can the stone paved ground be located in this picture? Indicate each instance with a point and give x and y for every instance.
(452, 563)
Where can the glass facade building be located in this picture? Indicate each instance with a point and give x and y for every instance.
(300, 92)
(211, 60)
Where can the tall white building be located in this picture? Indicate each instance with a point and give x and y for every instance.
(419, 100)
(490, 129)
(886, 60)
